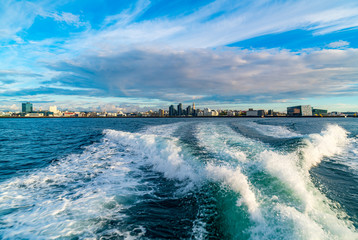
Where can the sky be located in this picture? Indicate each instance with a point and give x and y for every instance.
(111, 55)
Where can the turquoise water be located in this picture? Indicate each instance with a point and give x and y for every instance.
(179, 178)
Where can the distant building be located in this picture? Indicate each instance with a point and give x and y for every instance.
(351, 114)
(27, 107)
(319, 112)
(210, 113)
(189, 111)
(302, 110)
(35, 114)
(180, 109)
(255, 113)
(172, 111)
(53, 109)
(161, 113)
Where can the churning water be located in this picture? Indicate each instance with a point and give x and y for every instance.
(178, 178)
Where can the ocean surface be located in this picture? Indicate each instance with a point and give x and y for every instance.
(276, 178)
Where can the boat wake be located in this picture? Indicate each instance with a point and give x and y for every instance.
(237, 188)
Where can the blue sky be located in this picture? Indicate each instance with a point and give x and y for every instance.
(133, 55)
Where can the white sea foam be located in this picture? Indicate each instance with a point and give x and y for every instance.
(239, 183)
(313, 216)
(273, 131)
(164, 155)
(329, 142)
(220, 140)
(77, 195)
(74, 196)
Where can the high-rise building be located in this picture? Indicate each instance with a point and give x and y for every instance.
(180, 109)
(193, 106)
(27, 107)
(172, 111)
(189, 111)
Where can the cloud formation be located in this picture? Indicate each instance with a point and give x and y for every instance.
(338, 44)
(223, 73)
(143, 51)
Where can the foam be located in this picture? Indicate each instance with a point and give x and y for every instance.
(219, 140)
(329, 142)
(315, 211)
(239, 183)
(78, 194)
(313, 216)
(71, 197)
(273, 131)
(164, 155)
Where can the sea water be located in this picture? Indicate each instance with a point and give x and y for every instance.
(235, 178)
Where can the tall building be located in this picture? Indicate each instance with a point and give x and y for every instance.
(302, 110)
(27, 107)
(161, 113)
(193, 106)
(180, 109)
(189, 111)
(172, 111)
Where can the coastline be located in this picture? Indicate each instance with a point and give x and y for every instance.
(191, 117)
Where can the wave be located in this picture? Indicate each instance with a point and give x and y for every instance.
(273, 190)
(164, 155)
(74, 196)
(273, 131)
(80, 194)
(278, 184)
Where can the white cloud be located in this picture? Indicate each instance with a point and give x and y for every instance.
(224, 74)
(12, 107)
(68, 18)
(206, 27)
(14, 17)
(338, 44)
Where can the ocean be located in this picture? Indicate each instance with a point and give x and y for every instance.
(200, 178)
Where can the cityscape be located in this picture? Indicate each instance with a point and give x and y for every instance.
(29, 111)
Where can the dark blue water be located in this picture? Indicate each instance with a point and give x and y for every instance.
(178, 178)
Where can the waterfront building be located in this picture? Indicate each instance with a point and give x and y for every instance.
(161, 113)
(172, 111)
(35, 114)
(210, 113)
(319, 111)
(189, 111)
(255, 113)
(302, 110)
(351, 114)
(27, 107)
(180, 109)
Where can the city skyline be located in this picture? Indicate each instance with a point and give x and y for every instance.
(137, 55)
(28, 110)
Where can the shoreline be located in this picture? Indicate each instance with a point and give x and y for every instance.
(191, 117)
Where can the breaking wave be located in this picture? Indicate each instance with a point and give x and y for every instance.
(257, 191)
(279, 190)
